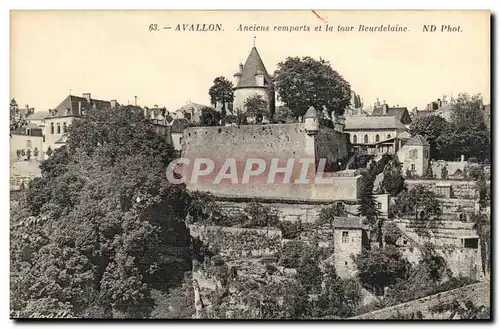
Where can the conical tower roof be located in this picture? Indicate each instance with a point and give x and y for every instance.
(311, 113)
(253, 65)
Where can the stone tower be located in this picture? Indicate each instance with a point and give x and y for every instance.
(253, 79)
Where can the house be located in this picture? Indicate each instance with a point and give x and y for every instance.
(191, 112)
(38, 118)
(414, 156)
(376, 134)
(24, 140)
(59, 118)
(350, 237)
(253, 79)
(401, 113)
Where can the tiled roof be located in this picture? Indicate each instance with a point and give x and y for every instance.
(348, 222)
(38, 115)
(311, 113)
(69, 106)
(417, 140)
(391, 111)
(253, 65)
(178, 125)
(373, 123)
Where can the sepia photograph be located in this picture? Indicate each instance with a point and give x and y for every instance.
(250, 165)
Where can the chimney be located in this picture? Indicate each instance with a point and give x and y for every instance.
(113, 103)
(87, 97)
(241, 67)
(384, 108)
(135, 100)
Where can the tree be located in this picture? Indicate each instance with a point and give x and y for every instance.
(105, 221)
(209, 117)
(430, 127)
(14, 113)
(221, 92)
(304, 82)
(368, 206)
(381, 267)
(393, 182)
(258, 215)
(49, 151)
(35, 152)
(419, 202)
(468, 134)
(327, 215)
(391, 233)
(256, 107)
(28, 154)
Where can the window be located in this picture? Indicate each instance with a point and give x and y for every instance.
(426, 154)
(58, 128)
(388, 136)
(345, 237)
(379, 205)
(345, 263)
(412, 167)
(405, 242)
(28, 144)
(377, 138)
(354, 139)
(65, 127)
(52, 128)
(366, 139)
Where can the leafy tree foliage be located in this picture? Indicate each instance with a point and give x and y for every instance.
(103, 222)
(290, 230)
(221, 91)
(327, 215)
(304, 82)
(419, 202)
(209, 117)
(431, 127)
(391, 233)
(393, 182)
(258, 215)
(381, 267)
(256, 107)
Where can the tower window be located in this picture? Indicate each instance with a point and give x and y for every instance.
(366, 139)
(52, 128)
(377, 138)
(354, 139)
(388, 136)
(64, 127)
(58, 128)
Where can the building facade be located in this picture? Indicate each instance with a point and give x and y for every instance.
(350, 237)
(414, 156)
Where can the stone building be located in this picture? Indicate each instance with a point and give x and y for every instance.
(253, 79)
(415, 156)
(380, 134)
(350, 237)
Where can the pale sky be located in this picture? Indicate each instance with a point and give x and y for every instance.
(113, 55)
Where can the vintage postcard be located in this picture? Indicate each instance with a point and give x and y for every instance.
(325, 165)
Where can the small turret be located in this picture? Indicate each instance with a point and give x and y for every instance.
(311, 121)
